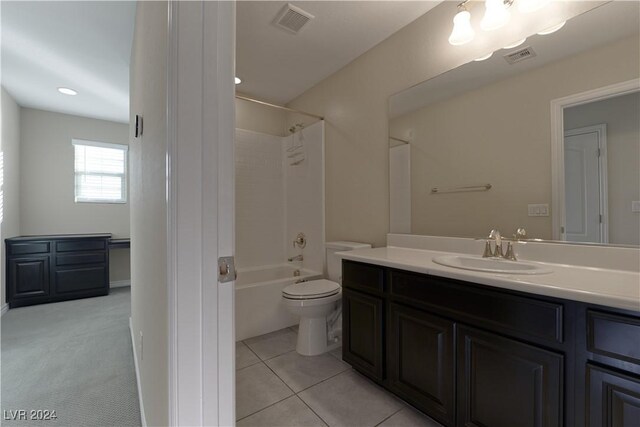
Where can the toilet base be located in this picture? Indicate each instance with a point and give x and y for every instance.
(312, 337)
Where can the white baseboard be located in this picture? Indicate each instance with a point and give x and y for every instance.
(4, 309)
(119, 283)
(143, 418)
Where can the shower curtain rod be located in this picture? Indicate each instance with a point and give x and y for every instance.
(280, 107)
(399, 140)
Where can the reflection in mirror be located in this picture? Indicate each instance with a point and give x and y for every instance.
(483, 135)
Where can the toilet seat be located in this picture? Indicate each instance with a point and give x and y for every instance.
(311, 290)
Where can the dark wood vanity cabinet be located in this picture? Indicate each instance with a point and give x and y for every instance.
(474, 355)
(421, 360)
(43, 269)
(505, 383)
(364, 344)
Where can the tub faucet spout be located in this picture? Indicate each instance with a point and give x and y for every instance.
(296, 258)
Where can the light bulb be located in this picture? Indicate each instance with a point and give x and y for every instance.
(527, 6)
(482, 58)
(496, 15)
(516, 44)
(552, 29)
(462, 31)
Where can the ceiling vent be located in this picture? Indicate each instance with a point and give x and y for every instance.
(292, 19)
(520, 55)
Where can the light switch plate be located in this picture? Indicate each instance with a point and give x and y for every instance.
(538, 209)
(635, 206)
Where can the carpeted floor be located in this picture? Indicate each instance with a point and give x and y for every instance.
(73, 357)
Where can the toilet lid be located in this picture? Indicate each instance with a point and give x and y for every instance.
(311, 289)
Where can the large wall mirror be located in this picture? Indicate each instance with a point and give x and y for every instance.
(544, 135)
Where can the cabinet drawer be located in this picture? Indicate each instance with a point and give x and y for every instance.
(361, 276)
(80, 245)
(28, 248)
(614, 335)
(80, 279)
(81, 258)
(522, 316)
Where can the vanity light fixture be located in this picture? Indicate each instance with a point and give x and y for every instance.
(238, 81)
(67, 91)
(462, 31)
(552, 29)
(482, 58)
(516, 44)
(528, 6)
(496, 14)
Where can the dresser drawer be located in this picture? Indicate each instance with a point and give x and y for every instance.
(81, 258)
(614, 335)
(80, 279)
(80, 245)
(28, 248)
(364, 277)
(521, 316)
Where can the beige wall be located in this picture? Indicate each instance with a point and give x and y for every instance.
(500, 134)
(148, 208)
(47, 203)
(260, 118)
(622, 117)
(354, 104)
(10, 146)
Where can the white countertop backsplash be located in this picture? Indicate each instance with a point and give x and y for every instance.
(607, 276)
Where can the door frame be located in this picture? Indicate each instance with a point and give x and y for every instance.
(558, 212)
(601, 130)
(200, 212)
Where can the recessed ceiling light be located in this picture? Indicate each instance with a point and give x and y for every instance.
(238, 81)
(67, 91)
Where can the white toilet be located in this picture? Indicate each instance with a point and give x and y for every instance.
(317, 302)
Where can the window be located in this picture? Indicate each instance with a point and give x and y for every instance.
(101, 172)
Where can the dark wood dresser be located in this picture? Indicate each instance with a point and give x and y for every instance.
(42, 269)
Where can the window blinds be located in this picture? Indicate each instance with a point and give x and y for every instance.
(100, 172)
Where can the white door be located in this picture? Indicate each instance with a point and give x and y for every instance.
(201, 213)
(585, 184)
(400, 188)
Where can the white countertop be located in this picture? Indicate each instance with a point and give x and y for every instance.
(607, 287)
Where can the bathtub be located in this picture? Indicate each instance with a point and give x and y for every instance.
(259, 308)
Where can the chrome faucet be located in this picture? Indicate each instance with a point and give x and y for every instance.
(521, 234)
(296, 258)
(497, 238)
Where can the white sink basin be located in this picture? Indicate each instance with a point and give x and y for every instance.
(489, 265)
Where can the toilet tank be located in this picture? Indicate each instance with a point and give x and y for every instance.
(334, 263)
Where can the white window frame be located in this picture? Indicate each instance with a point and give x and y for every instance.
(87, 143)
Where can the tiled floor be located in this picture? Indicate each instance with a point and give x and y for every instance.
(275, 386)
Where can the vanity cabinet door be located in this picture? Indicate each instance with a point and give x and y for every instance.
(506, 383)
(362, 329)
(421, 366)
(613, 399)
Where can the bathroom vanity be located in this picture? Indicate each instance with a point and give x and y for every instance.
(483, 352)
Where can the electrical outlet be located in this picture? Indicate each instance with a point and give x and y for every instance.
(635, 206)
(141, 346)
